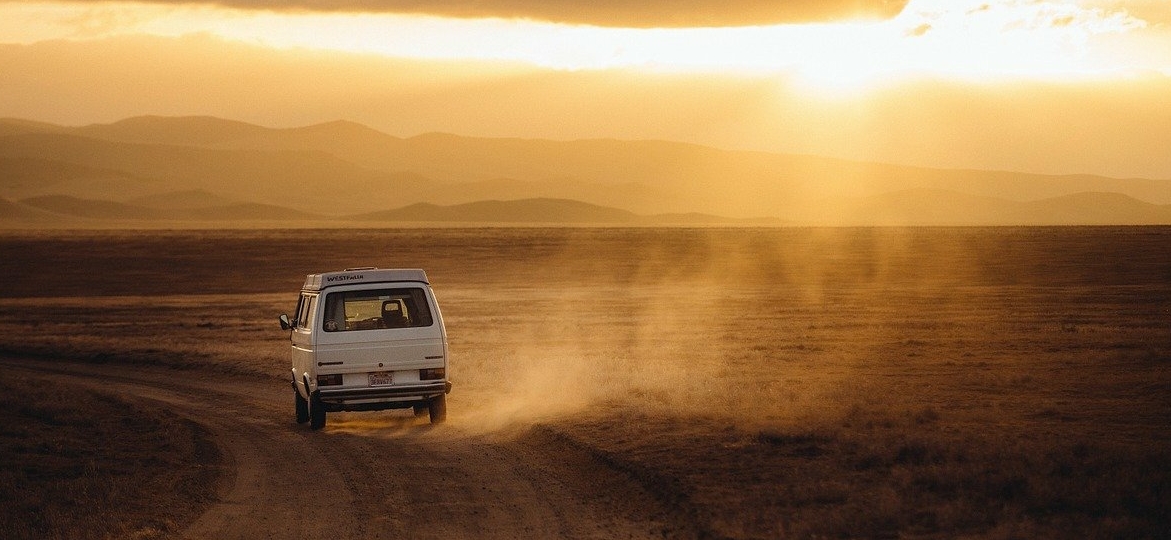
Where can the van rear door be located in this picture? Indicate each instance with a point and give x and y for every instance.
(394, 327)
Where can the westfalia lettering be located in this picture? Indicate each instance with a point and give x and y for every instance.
(332, 279)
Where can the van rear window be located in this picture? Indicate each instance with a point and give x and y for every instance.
(376, 309)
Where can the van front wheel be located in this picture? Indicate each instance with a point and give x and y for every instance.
(316, 411)
(437, 407)
(302, 407)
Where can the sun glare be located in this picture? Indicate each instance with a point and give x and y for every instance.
(967, 39)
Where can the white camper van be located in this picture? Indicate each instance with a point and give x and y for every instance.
(367, 339)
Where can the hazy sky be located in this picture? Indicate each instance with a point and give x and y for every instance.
(1056, 86)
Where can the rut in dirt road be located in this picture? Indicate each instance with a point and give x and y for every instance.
(381, 475)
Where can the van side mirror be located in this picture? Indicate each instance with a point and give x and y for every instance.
(285, 323)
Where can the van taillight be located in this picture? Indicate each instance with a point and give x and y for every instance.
(431, 374)
(329, 380)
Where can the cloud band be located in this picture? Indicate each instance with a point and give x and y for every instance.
(610, 13)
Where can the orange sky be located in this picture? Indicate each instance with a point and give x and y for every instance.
(1054, 86)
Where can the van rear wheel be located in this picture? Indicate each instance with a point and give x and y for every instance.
(437, 407)
(316, 411)
(302, 407)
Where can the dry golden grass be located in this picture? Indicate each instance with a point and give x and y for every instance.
(941, 383)
(84, 465)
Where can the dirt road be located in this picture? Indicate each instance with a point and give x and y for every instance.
(379, 475)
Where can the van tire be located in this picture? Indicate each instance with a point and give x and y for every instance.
(316, 411)
(301, 405)
(437, 408)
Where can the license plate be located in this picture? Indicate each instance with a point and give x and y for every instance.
(381, 378)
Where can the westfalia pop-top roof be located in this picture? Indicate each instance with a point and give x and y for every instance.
(351, 276)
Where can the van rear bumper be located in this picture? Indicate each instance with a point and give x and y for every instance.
(421, 391)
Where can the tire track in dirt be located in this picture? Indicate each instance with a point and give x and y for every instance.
(378, 475)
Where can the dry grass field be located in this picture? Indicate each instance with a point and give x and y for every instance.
(76, 462)
(760, 383)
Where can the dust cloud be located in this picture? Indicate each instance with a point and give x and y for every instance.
(754, 326)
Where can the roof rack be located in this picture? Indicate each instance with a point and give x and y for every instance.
(352, 276)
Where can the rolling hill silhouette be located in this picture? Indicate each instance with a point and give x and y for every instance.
(86, 208)
(523, 211)
(90, 209)
(180, 200)
(539, 210)
(340, 169)
(16, 213)
(201, 207)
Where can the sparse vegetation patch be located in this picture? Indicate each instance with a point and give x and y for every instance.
(81, 465)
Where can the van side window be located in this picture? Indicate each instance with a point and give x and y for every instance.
(376, 309)
(297, 311)
(308, 306)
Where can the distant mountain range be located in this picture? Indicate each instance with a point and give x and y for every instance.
(200, 206)
(163, 170)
